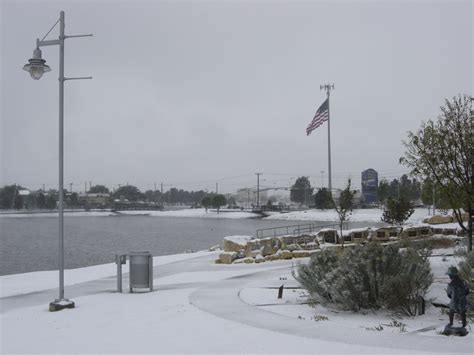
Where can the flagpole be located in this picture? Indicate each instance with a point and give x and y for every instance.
(328, 88)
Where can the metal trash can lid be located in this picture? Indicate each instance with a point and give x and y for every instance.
(139, 253)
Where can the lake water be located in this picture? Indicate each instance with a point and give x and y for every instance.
(31, 243)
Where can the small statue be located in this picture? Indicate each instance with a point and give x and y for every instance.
(457, 292)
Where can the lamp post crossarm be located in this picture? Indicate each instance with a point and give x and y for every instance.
(50, 42)
(76, 36)
(79, 78)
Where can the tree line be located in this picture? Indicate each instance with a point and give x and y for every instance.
(12, 198)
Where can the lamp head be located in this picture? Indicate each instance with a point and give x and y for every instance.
(36, 66)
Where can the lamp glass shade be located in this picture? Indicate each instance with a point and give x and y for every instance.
(37, 65)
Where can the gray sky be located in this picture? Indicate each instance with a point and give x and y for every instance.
(190, 93)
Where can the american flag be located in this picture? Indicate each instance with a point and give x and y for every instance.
(320, 117)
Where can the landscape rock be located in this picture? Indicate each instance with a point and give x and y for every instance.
(286, 254)
(227, 257)
(244, 260)
(300, 253)
(259, 259)
(236, 243)
(438, 219)
(267, 250)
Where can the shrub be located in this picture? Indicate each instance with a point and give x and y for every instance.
(466, 269)
(370, 276)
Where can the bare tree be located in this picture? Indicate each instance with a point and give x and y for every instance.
(442, 150)
(344, 206)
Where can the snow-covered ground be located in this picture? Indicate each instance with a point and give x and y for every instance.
(201, 307)
(360, 215)
(188, 212)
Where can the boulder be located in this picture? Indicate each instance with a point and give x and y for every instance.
(244, 260)
(236, 243)
(275, 256)
(259, 259)
(286, 254)
(300, 253)
(253, 253)
(267, 250)
(227, 257)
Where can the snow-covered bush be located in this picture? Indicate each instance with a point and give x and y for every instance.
(370, 276)
(466, 268)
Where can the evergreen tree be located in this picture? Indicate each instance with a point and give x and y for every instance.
(218, 201)
(301, 191)
(323, 199)
(50, 201)
(40, 200)
(383, 191)
(397, 211)
(206, 202)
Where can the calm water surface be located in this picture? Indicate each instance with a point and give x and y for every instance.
(31, 243)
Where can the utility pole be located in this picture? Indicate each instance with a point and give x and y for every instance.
(161, 196)
(248, 197)
(90, 185)
(217, 188)
(44, 188)
(70, 187)
(85, 187)
(258, 189)
(328, 88)
(434, 207)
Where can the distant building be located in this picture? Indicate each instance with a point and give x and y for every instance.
(370, 183)
(94, 199)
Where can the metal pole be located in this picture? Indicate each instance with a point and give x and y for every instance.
(258, 189)
(434, 208)
(61, 155)
(328, 88)
(329, 150)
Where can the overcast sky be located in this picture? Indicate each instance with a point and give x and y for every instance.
(191, 93)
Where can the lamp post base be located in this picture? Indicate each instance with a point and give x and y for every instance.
(58, 305)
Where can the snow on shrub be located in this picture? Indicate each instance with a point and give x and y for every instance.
(370, 276)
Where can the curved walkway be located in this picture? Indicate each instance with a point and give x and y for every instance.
(222, 299)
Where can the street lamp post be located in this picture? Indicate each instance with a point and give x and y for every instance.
(37, 67)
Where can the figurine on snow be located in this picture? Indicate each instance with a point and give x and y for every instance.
(457, 292)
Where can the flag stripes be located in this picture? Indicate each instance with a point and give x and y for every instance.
(321, 116)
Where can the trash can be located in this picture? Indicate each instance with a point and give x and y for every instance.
(141, 270)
